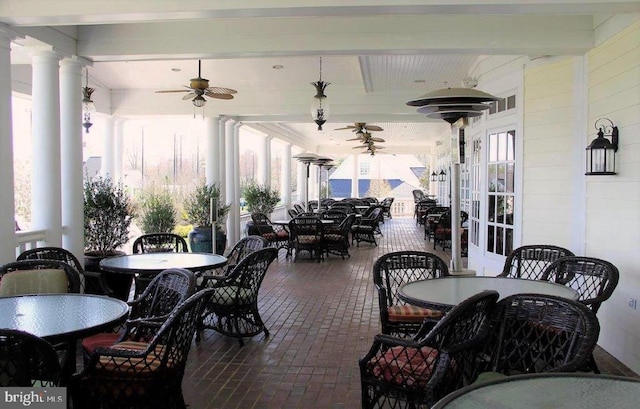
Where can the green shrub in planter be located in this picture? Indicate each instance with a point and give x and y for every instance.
(260, 198)
(158, 213)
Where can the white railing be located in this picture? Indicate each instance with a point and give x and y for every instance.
(30, 239)
(403, 207)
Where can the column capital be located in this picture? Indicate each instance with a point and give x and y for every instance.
(238, 125)
(44, 54)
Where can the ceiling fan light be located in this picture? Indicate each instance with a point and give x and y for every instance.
(199, 101)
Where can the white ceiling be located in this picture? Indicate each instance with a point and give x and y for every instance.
(376, 54)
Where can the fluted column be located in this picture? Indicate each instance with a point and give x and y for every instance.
(301, 177)
(285, 177)
(264, 162)
(212, 128)
(108, 149)
(118, 150)
(71, 155)
(229, 185)
(222, 141)
(46, 202)
(7, 205)
(355, 172)
(236, 181)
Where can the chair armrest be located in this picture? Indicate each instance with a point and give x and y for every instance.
(104, 287)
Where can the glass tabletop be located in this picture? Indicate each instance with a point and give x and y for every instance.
(542, 391)
(450, 291)
(152, 263)
(60, 316)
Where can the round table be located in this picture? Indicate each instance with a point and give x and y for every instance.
(450, 291)
(543, 391)
(62, 317)
(154, 263)
(286, 222)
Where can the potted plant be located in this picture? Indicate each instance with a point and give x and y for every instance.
(158, 212)
(107, 219)
(261, 199)
(198, 212)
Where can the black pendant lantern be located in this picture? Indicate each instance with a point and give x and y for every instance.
(319, 106)
(601, 153)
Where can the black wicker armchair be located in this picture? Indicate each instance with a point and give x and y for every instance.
(38, 276)
(307, 235)
(529, 262)
(399, 373)
(166, 291)
(366, 228)
(532, 333)
(156, 243)
(27, 360)
(336, 238)
(232, 308)
(442, 229)
(277, 236)
(142, 374)
(594, 280)
(392, 271)
(91, 282)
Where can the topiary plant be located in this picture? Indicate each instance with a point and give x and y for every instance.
(198, 206)
(260, 198)
(158, 212)
(107, 216)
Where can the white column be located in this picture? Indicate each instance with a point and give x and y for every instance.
(118, 150)
(285, 177)
(223, 158)
(108, 149)
(212, 128)
(236, 181)
(264, 162)
(301, 178)
(71, 151)
(355, 172)
(46, 213)
(7, 205)
(312, 183)
(228, 136)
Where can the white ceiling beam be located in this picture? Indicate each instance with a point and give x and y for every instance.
(412, 34)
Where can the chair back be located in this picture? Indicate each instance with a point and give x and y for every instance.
(243, 247)
(38, 277)
(336, 215)
(298, 208)
(346, 207)
(417, 195)
(292, 213)
(393, 270)
(27, 360)
(262, 223)
(241, 285)
(529, 262)
(594, 279)
(165, 291)
(160, 243)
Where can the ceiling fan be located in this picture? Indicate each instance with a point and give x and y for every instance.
(369, 146)
(199, 87)
(366, 137)
(361, 127)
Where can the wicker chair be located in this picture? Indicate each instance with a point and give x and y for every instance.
(594, 280)
(298, 208)
(307, 235)
(386, 204)
(91, 282)
(400, 373)
(336, 238)
(232, 308)
(292, 213)
(27, 360)
(442, 229)
(142, 374)
(392, 271)
(366, 228)
(533, 333)
(529, 262)
(156, 243)
(243, 248)
(23, 277)
(431, 218)
(155, 304)
(277, 236)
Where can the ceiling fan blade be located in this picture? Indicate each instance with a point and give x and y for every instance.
(218, 96)
(376, 139)
(189, 96)
(173, 90)
(221, 90)
(370, 128)
(346, 127)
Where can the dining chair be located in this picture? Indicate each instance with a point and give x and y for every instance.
(91, 282)
(593, 279)
(415, 373)
(232, 308)
(336, 238)
(534, 333)
(442, 228)
(386, 204)
(155, 243)
(529, 262)
(430, 217)
(242, 248)
(163, 294)
(367, 227)
(393, 270)
(277, 236)
(307, 234)
(38, 276)
(146, 373)
(27, 360)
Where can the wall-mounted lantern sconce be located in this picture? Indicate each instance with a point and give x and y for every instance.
(433, 177)
(601, 154)
(442, 176)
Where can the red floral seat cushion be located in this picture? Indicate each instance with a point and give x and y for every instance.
(405, 366)
(411, 313)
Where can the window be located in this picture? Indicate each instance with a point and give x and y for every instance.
(474, 214)
(364, 168)
(501, 105)
(500, 192)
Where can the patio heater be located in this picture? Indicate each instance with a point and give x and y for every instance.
(320, 162)
(456, 106)
(306, 158)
